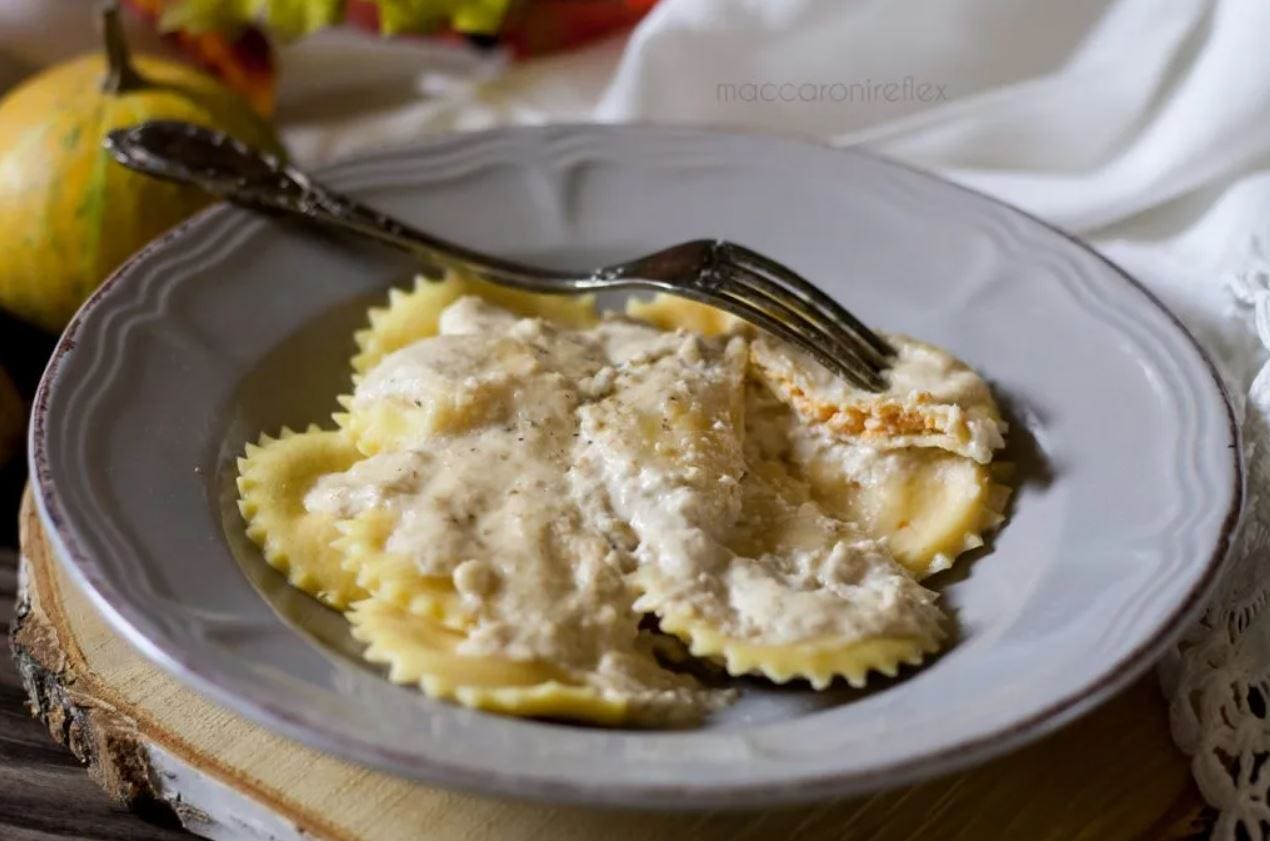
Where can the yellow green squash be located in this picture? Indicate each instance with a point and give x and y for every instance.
(69, 215)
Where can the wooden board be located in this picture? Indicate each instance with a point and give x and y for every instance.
(148, 739)
(44, 793)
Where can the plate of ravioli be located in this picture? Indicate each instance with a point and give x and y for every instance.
(527, 507)
(632, 550)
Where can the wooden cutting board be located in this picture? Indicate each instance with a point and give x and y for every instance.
(148, 739)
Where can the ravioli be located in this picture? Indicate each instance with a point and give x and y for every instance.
(517, 484)
(733, 556)
(932, 496)
(463, 515)
(273, 479)
(425, 653)
(393, 578)
(416, 314)
(929, 505)
(931, 399)
(666, 312)
(818, 660)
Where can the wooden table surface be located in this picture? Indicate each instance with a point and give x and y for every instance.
(44, 792)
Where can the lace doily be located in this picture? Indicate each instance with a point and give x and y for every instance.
(1218, 677)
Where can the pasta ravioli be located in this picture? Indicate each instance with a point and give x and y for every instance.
(273, 479)
(517, 483)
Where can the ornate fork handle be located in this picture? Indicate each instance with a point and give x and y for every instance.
(228, 169)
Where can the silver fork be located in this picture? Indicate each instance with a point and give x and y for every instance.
(722, 274)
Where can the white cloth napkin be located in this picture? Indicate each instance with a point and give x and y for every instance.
(1142, 125)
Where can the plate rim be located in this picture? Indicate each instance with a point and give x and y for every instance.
(750, 794)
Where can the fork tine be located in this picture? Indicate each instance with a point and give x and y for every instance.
(843, 344)
(847, 365)
(741, 307)
(809, 294)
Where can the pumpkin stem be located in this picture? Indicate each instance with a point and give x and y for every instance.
(121, 76)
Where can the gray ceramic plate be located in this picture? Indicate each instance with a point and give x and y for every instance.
(235, 324)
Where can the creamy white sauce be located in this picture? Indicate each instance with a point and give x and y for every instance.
(554, 464)
(730, 535)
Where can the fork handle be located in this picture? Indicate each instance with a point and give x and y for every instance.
(231, 170)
